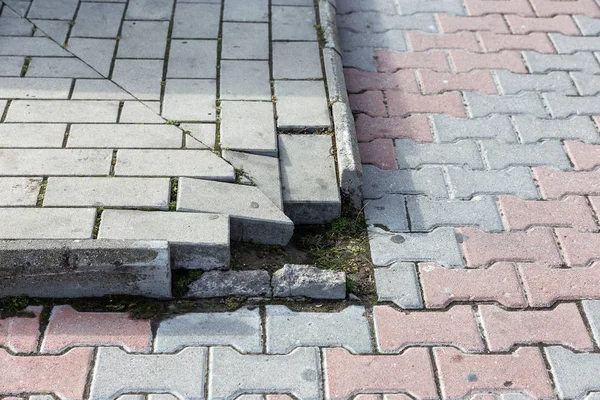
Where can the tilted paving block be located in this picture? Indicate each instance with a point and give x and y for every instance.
(575, 374)
(248, 283)
(248, 126)
(388, 212)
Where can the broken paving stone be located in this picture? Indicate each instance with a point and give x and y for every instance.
(231, 283)
(308, 281)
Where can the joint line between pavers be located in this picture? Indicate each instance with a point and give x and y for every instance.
(90, 376)
(5, 111)
(217, 147)
(588, 327)
(43, 326)
(163, 82)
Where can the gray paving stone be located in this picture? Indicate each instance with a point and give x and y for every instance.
(574, 374)
(254, 283)
(200, 21)
(592, 312)
(448, 129)
(53, 9)
(571, 44)
(581, 61)
(375, 22)
(293, 23)
(248, 126)
(245, 41)
(125, 136)
(137, 112)
(394, 40)
(116, 372)
(388, 213)
(191, 163)
(308, 281)
(440, 245)
(296, 60)
(192, 59)
(411, 154)
(547, 153)
(197, 241)
(108, 192)
(62, 111)
(52, 162)
(98, 89)
(190, 100)
(96, 267)
(11, 66)
(15, 8)
(426, 214)
(587, 85)
(98, 20)
(253, 217)
(56, 30)
(301, 104)
(149, 9)
(47, 223)
(246, 11)
(15, 192)
(15, 27)
(381, 6)
(240, 329)
(232, 374)
(35, 88)
(31, 135)
(561, 106)
(199, 136)
(557, 81)
(334, 73)
(482, 105)
(399, 284)
(60, 68)
(143, 39)
(30, 46)
(292, 3)
(533, 129)
(286, 329)
(589, 26)
(408, 7)
(141, 78)
(97, 53)
(428, 181)
(464, 184)
(310, 196)
(360, 58)
(245, 80)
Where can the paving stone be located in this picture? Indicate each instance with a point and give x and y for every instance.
(56, 223)
(97, 53)
(301, 104)
(388, 212)
(231, 283)
(575, 374)
(437, 82)
(117, 372)
(414, 127)
(557, 81)
(440, 244)
(391, 62)
(448, 129)
(379, 152)
(579, 248)
(192, 59)
(587, 85)
(15, 27)
(56, 30)
(293, 23)
(231, 373)
(245, 41)
(547, 8)
(286, 329)
(563, 107)
(97, 267)
(591, 310)
(308, 281)
(20, 192)
(11, 66)
(246, 11)
(248, 126)
(30, 46)
(124, 136)
(15, 8)
(253, 217)
(351, 6)
(196, 21)
(64, 375)
(352, 40)
(69, 328)
(149, 9)
(493, 23)
(419, 41)
(510, 60)
(503, 155)
(53, 9)
(138, 112)
(536, 41)
(427, 181)
(461, 373)
(571, 44)
(296, 60)
(585, 157)
(559, 23)
(481, 7)
(403, 104)
(443, 286)
(533, 129)
(108, 192)
(453, 7)
(358, 81)
(456, 327)
(309, 197)
(240, 329)
(60, 67)
(143, 39)
(464, 184)
(190, 163)
(426, 214)
(580, 61)
(20, 334)
(200, 136)
(98, 20)
(190, 100)
(347, 374)
(48, 162)
(589, 26)
(556, 184)
(197, 241)
(62, 111)
(98, 89)
(370, 102)
(411, 155)
(141, 78)
(377, 22)
(481, 105)
(361, 58)
(245, 80)
(399, 284)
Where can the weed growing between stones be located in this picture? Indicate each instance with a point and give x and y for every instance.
(173, 194)
(182, 279)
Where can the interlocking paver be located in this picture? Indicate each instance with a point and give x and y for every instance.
(394, 40)
(571, 44)
(399, 284)
(557, 81)
(542, 63)
(390, 62)
(379, 152)
(483, 7)
(556, 184)
(532, 129)
(550, 7)
(465, 183)
(537, 41)
(370, 102)
(559, 23)
(579, 248)
(407, 7)
(503, 155)
(437, 82)
(375, 22)
(583, 156)
(389, 211)
(561, 106)
(448, 129)
(412, 155)
(492, 22)
(414, 127)
(465, 62)
(588, 25)
(587, 85)
(19, 191)
(357, 80)
(419, 41)
(481, 105)
(591, 310)
(21, 334)
(575, 374)
(403, 104)
(427, 181)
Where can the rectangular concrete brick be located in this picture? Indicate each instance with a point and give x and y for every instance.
(464, 184)
(19, 192)
(296, 60)
(197, 241)
(62, 111)
(561, 106)
(293, 23)
(301, 104)
(448, 129)
(11, 66)
(190, 100)
(246, 11)
(587, 85)
(481, 105)
(196, 21)
(245, 80)
(547, 153)
(98, 89)
(54, 29)
(533, 129)
(141, 113)
(557, 81)
(31, 46)
(143, 39)
(192, 59)
(428, 181)
(35, 88)
(245, 41)
(38, 223)
(141, 78)
(32, 135)
(15, 26)
(95, 268)
(124, 136)
(411, 155)
(59, 67)
(97, 53)
(399, 284)
(248, 126)
(49, 162)
(149, 9)
(98, 20)
(542, 63)
(53, 9)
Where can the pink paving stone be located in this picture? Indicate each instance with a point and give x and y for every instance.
(410, 372)
(584, 156)
(403, 104)
(379, 152)
(509, 60)
(419, 41)
(579, 248)
(358, 81)
(370, 102)
(560, 23)
(595, 202)
(573, 211)
(452, 23)
(493, 42)
(415, 127)
(396, 330)
(279, 397)
(69, 328)
(442, 286)
(556, 184)
(20, 334)
(63, 375)
(483, 7)
(546, 285)
(388, 61)
(523, 370)
(367, 397)
(537, 245)
(388, 396)
(437, 82)
(548, 8)
(561, 326)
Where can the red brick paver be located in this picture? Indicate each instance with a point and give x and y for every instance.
(357, 80)
(419, 41)
(483, 7)
(524, 25)
(546, 8)
(20, 334)
(390, 62)
(583, 156)
(579, 248)
(556, 184)
(414, 127)
(452, 23)
(466, 62)
(370, 102)
(493, 42)
(437, 82)
(379, 152)
(404, 104)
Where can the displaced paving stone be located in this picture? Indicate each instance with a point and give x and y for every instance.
(533, 129)
(411, 155)
(117, 372)
(245, 41)
(231, 373)
(240, 329)
(231, 283)
(192, 59)
(399, 284)
(481, 105)
(68, 328)
(62, 111)
(301, 104)
(248, 126)
(197, 241)
(245, 80)
(448, 129)
(124, 136)
(308, 281)
(388, 212)
(556, 184)
(196, 21)
(19, 191)
(503, 155)
(296, 60)
(20, 334)
(464, 183)
(575, 374)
